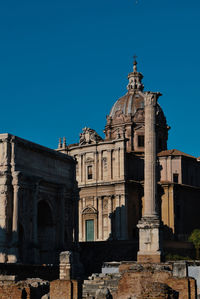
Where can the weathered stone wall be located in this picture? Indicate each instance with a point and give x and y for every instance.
(14, 291)
(153, 281)
(27, 289)
(38, 195)
(65, 289)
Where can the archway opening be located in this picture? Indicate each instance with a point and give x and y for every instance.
(22, 244)
(46, 233)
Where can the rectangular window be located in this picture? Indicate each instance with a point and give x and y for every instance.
(175, 177)
(140, 140)
(89, 227)
(89, 172)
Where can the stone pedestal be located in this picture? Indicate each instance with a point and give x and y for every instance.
(149, 240)
(70, 265)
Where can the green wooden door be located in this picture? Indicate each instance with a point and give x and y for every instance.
(89, 227)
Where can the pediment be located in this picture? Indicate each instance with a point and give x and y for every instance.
(139, 127)
(89, 210)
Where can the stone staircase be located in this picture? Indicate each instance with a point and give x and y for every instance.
(100, 285)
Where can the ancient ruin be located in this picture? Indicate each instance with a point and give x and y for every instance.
(129, 188)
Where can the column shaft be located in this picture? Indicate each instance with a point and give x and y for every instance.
(100, 222)
(80, 220)
(117, 217)
(110, 217)
(150, 158)
(15, 211)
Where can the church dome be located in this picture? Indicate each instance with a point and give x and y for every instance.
(128, 105)
(127, 118)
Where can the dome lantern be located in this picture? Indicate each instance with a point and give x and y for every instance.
(135, 79)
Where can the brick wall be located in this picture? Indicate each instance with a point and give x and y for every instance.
(151, 282)
(65, 289)
(14, 291)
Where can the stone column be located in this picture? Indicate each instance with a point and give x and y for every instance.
(100, 222)
(80, 220)
(3, 219)
(13, 252)
(110, 217)
(149, 225)
(100, 166)
(122, 164)
(150, 156)
(84, 170)
(35, 225)
(117, 217)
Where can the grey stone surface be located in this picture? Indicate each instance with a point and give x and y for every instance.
(180, 269)
(112, 267)
(194, 271)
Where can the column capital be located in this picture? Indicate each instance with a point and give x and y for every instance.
(150, 98)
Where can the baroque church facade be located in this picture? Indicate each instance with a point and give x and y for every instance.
(110, 174)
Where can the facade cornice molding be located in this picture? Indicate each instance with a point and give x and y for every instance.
(113, 141)
(99, 184)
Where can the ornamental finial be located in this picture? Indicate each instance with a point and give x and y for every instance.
(134, 64)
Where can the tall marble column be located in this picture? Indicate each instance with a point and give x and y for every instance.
(13, 252)
(149, 225)
(3, 219)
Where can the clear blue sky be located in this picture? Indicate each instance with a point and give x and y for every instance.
(64, 63)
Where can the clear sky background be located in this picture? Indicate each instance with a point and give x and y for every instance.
(64, 63)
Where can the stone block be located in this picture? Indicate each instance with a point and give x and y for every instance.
(180, 269)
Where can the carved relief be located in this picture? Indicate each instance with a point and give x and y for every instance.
(89, 136)
(89, 210)
(119, 117)
(104, 163)
(105, 204)
(139, 115)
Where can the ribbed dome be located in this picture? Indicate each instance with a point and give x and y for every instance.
(128, 104)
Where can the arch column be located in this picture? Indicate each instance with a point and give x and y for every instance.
(14, 251)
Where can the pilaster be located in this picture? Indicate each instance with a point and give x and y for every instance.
(100, 219)
(13, 252)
